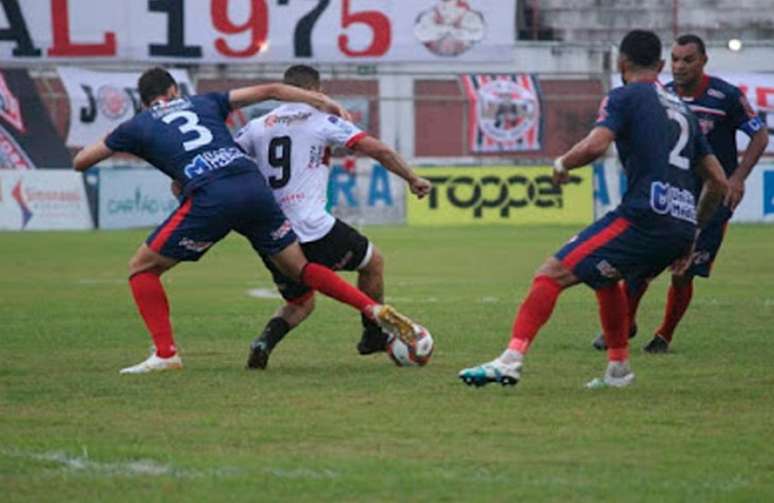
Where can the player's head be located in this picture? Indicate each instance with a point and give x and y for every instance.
(689, 55)
(302, 76)
(156, 83)
(640, 51)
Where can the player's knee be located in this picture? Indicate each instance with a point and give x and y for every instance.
(375, 265)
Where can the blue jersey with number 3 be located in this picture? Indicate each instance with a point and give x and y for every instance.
(659, 142)
(186, 138)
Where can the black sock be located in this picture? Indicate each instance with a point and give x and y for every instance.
(274, 331)
(369, 324)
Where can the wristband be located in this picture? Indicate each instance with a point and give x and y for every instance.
(559, 166)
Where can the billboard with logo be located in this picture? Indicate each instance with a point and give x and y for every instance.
(100, 101)
(363, 192)
(43, 200)
(256, 31)
(28, 139)
(133, 198)
(502, 195)
(756, 206)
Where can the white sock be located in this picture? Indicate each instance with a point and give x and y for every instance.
(511, 356)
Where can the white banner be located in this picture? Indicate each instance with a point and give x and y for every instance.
(100, 101)
(43, 200)
(756, 206)
(256, 31)
(366, 193)
(133, 198)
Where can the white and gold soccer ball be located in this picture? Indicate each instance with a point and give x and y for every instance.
(415, 354)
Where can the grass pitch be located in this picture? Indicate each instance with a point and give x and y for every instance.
(323, 423)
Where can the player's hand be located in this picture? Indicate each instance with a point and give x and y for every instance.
(420, 187)
(735, 193)
(334, 107)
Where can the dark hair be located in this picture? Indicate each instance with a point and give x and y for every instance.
(302, 76)
(690, 38)
(643, 48)
(154, 83)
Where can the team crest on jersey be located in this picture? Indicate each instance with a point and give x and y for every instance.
(450, 28)
(10, 110)
(112, 102)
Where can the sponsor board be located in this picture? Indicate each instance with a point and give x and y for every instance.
(256, 31)
(364, 193)
(756, 206)
(134, 198)
(100, 101)
(43, 200)
(502, 195)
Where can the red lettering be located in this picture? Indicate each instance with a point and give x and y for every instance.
(257, 24)
(376, 21)
(63, 46)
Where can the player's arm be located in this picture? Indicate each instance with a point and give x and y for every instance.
(758, 143)
(394, 162)
(713, 191)
(91, 155)
(593, 146)
(244, 96)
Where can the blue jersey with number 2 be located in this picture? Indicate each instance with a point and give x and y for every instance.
(186, 138)
(659, 143)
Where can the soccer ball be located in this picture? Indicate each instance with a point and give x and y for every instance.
(416, 354)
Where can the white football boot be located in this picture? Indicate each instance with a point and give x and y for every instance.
(155, 364)
(617, 375)
(494, 371)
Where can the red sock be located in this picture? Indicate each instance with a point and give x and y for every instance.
(634, 291)
(331, 284)
(613, 313)
(534, 312)
(678, 300)
(153, 306)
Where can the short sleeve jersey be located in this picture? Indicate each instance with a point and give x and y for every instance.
(291, 147)
(186, 138)
(659, 143)
(722, 109)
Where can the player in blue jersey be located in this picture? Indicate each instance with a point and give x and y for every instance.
(187, 139)
(721, 109)
(665, 156)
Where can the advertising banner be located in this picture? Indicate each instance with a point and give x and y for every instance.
(134, 198)
(256, 31)
(43, 200)
(28, 139)
(100, 101)
(756, 206)
(366, 193)
(502, 195)
(505, 113)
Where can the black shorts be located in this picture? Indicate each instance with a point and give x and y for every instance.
(343, 248)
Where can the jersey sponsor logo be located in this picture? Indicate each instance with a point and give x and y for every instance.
(716, 94)
(164, 108)
(194, 246)
(673, 201)
(212, 160)
(112, 102)
(450, 28)
(282, 231)
(10, 110)
(273, 119)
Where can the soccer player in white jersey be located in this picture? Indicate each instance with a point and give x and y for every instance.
(291, 145)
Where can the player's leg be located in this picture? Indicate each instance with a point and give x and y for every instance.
(370, 280)
(186, 235)
(634, 289)
(613, 315)
(551, 278)
(680, 292)
(299, 304)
